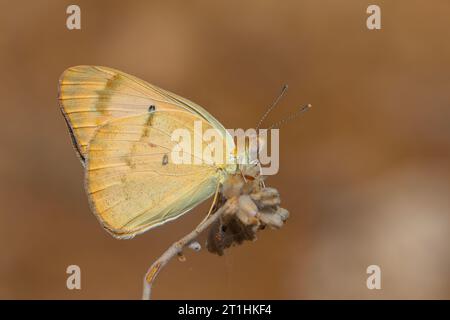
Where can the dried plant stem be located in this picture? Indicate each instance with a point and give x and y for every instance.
(177, 248)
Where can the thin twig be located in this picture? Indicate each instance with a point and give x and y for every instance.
(177, 247)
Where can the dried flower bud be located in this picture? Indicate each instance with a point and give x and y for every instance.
(265, 193)
(247, 210)
(269, 202)
(267, 197)
(252, 171)
(232, 187)
(271, 219)
(247, 205)
(283, 213)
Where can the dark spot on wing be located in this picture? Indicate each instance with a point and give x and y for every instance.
(148, 124)
(130, 163)
(165, 160)
(152, 108)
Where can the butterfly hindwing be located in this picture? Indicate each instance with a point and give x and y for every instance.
(131, 180)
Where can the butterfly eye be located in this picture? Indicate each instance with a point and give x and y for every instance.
(151, 108)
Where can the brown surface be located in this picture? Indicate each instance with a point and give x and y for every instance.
(365, 174)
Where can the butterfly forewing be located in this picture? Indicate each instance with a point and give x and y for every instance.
(91, 95)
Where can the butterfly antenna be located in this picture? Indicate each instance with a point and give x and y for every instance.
(273, 105)
(278, 124)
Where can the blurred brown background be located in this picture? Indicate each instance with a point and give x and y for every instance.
(365, 174)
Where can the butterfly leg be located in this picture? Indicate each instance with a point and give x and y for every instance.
(212, 204)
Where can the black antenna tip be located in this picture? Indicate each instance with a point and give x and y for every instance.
(305, 108)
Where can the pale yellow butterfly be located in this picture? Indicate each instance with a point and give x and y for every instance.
(120, 127)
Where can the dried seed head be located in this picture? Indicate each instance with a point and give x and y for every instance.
(254, 208)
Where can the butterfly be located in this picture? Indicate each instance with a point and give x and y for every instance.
(120, 127)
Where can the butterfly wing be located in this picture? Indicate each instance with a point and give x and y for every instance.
(131, 180)
(132, 187)
(91, 95)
